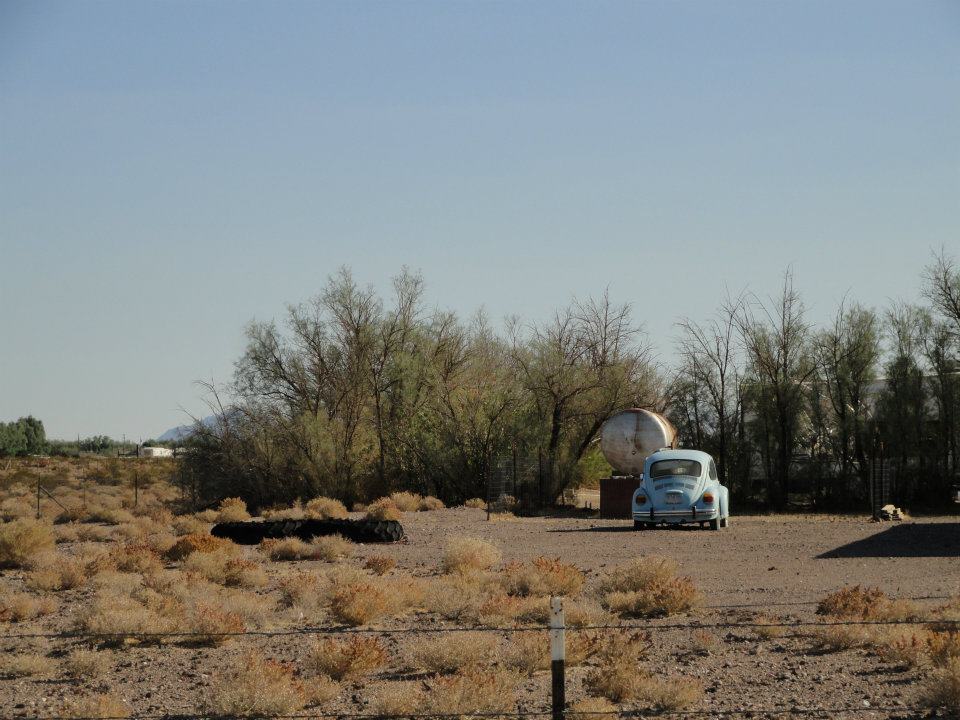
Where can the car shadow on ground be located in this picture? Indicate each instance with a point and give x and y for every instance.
(916, 539)
(686, 527)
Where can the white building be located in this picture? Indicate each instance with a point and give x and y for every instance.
(156, 452)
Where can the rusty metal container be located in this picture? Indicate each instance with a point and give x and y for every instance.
(616, 494)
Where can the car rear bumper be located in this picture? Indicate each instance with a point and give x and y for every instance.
(655, 515)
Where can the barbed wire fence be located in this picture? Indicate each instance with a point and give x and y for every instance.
(557, 629)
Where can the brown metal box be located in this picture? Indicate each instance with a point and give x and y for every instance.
(616, 494)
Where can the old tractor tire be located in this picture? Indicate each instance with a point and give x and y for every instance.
(361, 531)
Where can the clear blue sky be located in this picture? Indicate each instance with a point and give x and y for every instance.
(170, 170)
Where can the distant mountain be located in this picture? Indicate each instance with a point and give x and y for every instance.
(182, 432)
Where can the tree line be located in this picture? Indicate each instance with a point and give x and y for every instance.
(24, 436)
(355, 396)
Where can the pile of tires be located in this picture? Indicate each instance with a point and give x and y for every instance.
(361, 531)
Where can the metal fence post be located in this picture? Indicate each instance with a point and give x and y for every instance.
(38, 498)
(558, 656)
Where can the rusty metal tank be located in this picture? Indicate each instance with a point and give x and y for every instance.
(628, 437)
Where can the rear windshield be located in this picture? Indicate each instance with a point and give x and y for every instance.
(663, 468)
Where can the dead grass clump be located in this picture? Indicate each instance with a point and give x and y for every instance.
(87, 664)
(476, 504)
(380, 564)
(208, 516)
(136, 558)
(324, 508)
(108, 515)
(119, 618)
(766, 627)
(842, 637)
(406, 501)
(942, 686)
(18, 607)
(543, 576)
(331, 548)
(429, 502)
(383, 509)
(648, 587)
(472, 691)
(190, 525)
(302, 589)
(943, 647)
(193, 543)
(703, 642)
(592, 708)
(358, 603)
(14, 507)
(294, 512)
(399, 699)
(451, 652)
(22, 540)
(232, 510)
(618, 676)
(346, 659)
(210, 623)
(25, 665)
(468, 597)
(256, 686)
(669, 694)
(98, 705)
(93, 533)
(55, 572)
(226, 568)
(469, 554)
(859, 603)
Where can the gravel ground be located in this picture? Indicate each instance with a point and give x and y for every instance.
(771, 565)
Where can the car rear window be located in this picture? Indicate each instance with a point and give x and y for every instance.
(664, 468)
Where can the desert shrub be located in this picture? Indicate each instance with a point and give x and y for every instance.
(87, 664)
(451, 652)
(942, 686)
(766, 627)
(473, 690)
(226, 568)
(210, 623)
(285, 549)
(93, 533)
(703, 642)
(13, 665)
(324, 508)
(383, 509)
(302, 589)
(136, 558)
(67, 533)
(190, 525)
(592, 708)
(358, 603)
(429, 502)
(17, 607)
(468, 554)
(97, 705)
(354, 657)
(108, 515)
(331, 548)
(232, 510)
(648, 587)
(13, 508)
(256, 686)
(841, 637)
(668, 694)
(465, 597)
(56, 572)
(406, 501)
(618, 676)
(208, 516)
(903, 645)
(380, 564)
(23, 540)
(398, 699)
(194, 543)
(858, 603)
(543, 576)
(529, 652)
(293, 512)
(476, 504)
(118, 618)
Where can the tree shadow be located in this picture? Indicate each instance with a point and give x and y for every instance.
(915, 539)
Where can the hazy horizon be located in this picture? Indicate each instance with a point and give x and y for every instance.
(173, 170)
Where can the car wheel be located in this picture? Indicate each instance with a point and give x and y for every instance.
(715, 524)
(639, 525)
(725, 522)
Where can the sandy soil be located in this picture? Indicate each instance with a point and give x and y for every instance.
(774, 565)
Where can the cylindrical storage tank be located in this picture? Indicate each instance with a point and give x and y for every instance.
(630, 436)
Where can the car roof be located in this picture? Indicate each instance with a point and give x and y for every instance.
(680, 454)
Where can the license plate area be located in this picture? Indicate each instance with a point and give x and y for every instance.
(674, 498)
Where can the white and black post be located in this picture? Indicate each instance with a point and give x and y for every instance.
(558, 656)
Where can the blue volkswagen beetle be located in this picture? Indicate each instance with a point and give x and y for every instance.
(680, 486)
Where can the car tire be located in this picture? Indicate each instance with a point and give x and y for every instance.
(639, 525)
(725, 522)
(715, 524)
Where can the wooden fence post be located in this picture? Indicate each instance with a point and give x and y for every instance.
(558, 657)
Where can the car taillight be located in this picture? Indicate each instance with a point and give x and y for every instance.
(708, 498)
(641, 499)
